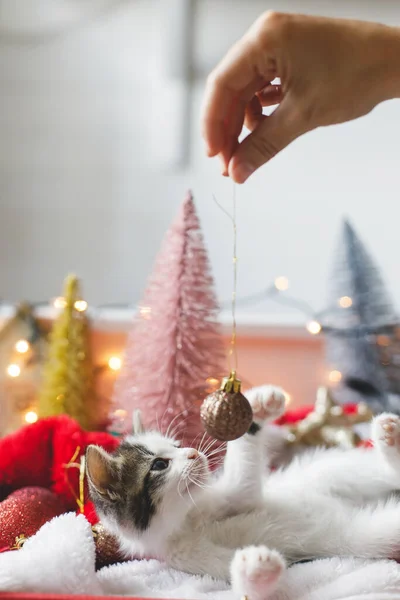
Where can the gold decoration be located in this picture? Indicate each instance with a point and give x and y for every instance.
(19, 542)
(226, 414)
(68, 378)
(81, 465)
(328, 424)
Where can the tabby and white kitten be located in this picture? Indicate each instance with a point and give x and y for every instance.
(244, 524)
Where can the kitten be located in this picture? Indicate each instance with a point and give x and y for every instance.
(244, 523)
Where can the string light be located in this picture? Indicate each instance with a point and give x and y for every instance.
(335, 376)
(81, 305)
(281, 283)
(115, 363)
(22, 346)
(145, 312)
(313, 327)
(59, 302)
(120, 413)
(13, 370)
(31, 416)
(345, 302)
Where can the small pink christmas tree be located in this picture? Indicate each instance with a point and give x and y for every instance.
(175, 347)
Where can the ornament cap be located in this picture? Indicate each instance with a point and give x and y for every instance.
(231, 383)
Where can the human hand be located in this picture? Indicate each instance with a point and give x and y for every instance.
(330, 70)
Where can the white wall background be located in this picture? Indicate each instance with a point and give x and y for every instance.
(88, 122)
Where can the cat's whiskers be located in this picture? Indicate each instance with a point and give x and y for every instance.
(169, 432)
(216, 452)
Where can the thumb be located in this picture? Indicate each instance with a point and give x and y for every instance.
(271, 136)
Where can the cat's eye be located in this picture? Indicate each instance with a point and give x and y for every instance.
(160, 464)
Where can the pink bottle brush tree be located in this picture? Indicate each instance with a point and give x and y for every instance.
(174, 355)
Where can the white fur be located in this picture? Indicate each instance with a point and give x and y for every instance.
(60, 559)
(326, 503)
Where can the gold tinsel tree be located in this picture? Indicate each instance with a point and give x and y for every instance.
(68, 376)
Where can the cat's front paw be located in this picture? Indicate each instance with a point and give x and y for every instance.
(255, 571)
(267, 401)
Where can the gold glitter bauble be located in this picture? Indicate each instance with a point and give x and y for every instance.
(226, 414)
(107, 549)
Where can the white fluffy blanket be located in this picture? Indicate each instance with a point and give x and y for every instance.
(61, 558)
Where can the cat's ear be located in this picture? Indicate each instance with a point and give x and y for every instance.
(137, 422)
(101, 469)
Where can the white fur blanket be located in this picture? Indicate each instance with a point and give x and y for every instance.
(60, 558)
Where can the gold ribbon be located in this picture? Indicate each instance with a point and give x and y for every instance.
(80, 500)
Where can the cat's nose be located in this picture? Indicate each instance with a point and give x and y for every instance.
(192, 454)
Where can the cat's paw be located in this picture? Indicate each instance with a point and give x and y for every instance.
(267, 401)
(255, 571)
(385, 431)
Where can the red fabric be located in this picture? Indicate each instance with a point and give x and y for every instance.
(36, 455)
(27, 596)
(299, 414)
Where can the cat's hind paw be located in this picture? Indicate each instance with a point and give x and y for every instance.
(385, 431)
(267, 401)
(255, 571)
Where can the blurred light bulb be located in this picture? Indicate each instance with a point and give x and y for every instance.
(120, 413)
(145, 312)
(31, 416)
(335, 376)
(212, 381)
(345, 302)
(22, 346)
(115, 363)
(81, 305)
(59, 302)
(313, 327)
(13, 370)
(281, 283)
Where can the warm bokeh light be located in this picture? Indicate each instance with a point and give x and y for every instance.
(59, 302)
(22, 346)
(335, 376)
(281, 283)
(345, 302)
(81, 305)
(120, 413)
(13, 370)
(145, 312)
(31, 416)
(314, 327)
(288, 398)
(115, 363)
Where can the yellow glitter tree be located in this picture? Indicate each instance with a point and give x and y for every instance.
(68, 380)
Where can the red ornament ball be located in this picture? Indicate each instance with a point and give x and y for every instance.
(24, 512)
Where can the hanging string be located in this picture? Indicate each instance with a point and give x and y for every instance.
(232, 357)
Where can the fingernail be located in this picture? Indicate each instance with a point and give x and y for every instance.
(243, 171)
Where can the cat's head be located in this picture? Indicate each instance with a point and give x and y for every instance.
(147, 480)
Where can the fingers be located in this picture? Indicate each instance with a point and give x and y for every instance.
(229, 88)
(270, 95)
(271, 135)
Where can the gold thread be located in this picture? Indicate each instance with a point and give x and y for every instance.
(232, 356)
(233, 351)
(80, 500)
